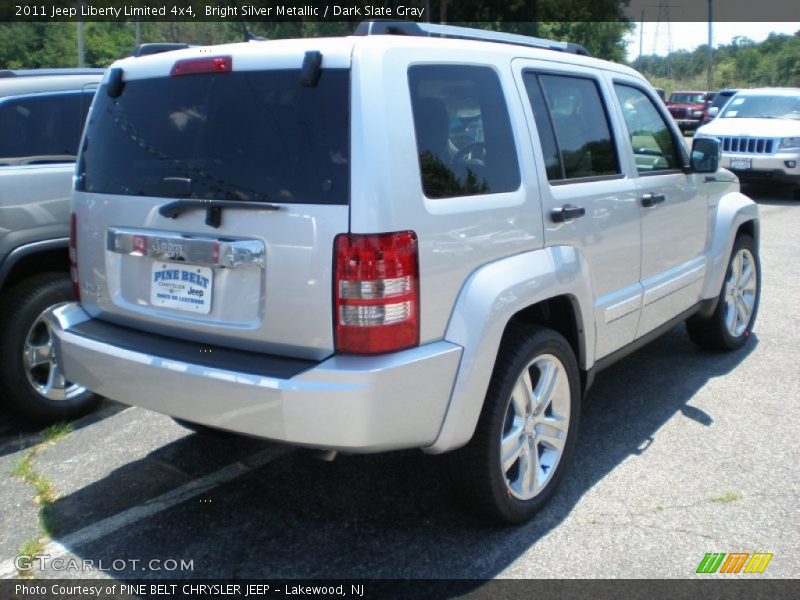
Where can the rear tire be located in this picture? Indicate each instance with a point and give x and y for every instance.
(526, 432)
(31, 382)
(731, 324)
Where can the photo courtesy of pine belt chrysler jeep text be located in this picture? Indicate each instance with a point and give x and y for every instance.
(367, 243)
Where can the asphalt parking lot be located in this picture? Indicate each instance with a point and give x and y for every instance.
(681, 452)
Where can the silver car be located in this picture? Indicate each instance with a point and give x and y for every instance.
(42, 113)
(432, 240)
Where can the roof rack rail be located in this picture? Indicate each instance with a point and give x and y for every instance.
(463, 33)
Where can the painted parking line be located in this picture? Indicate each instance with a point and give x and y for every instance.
(152, 507)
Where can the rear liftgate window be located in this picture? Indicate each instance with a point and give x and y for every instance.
(244, 135)
(464, 137)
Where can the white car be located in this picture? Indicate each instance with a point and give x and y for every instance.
(760, 135)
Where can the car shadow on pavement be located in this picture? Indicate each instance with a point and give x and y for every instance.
(770, 194)
(382, 516)
(16, 435)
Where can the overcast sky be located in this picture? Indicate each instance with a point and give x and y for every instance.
(687, 36)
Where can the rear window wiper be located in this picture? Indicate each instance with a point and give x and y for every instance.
(213, 208)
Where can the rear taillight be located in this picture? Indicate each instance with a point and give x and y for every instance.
(376, 292)
(73, 256)
(199, 66)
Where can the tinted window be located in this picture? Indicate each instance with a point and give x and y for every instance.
(653, 143)
(581, 126)
(463, 131)
(247, 135)
(42, 128)
(544, 125)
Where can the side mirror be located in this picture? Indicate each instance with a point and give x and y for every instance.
(713, 111)
(705, 155)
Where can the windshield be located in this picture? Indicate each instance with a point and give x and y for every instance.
(687, 98)
(245, 135)
(763, 107)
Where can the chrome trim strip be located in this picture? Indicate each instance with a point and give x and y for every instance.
(195, 249)
(674, 284)
(623, 307)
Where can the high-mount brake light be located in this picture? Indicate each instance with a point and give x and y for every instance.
(376, 292)
(202, 65)
(73, 256)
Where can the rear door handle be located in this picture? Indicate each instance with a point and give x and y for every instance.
(567, 213)
(650, 200)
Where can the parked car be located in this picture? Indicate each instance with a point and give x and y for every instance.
(432, 240)
(759, 131)
(720, 99)
(687, 108)
(42, 113)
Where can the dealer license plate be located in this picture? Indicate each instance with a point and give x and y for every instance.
(741, 164)
(181, 286)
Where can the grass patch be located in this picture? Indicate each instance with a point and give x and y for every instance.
(57, 431)
(29, 549)
(727, 497)
(23, 469)
(45, 496)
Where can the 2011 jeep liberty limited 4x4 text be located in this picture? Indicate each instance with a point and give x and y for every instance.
(431, 240)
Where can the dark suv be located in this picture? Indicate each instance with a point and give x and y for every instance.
(716, 105)
(42, 113)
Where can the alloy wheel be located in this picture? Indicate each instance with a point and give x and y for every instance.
(535, 427)
(740, 292)
(42, 366)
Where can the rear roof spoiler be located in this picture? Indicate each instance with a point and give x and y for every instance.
(464, 33)
(158, 48)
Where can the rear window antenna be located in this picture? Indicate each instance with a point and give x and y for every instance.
(249, 36)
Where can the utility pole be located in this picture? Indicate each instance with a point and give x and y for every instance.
(710, 71)
(664, 17)
(81, 49)
(641, 35)
(443, 12)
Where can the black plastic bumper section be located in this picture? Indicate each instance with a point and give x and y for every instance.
(218, 357)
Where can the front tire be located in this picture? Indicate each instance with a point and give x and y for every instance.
(32, 383)
(732, 322)
(526, 433)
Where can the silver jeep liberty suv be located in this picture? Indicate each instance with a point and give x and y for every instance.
(431, 240)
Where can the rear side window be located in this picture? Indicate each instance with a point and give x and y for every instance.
(653, 145)
(573, 127)
(42, 129)
(245, 135)
(464, 139)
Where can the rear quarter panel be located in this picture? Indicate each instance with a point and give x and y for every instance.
(456, 235)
